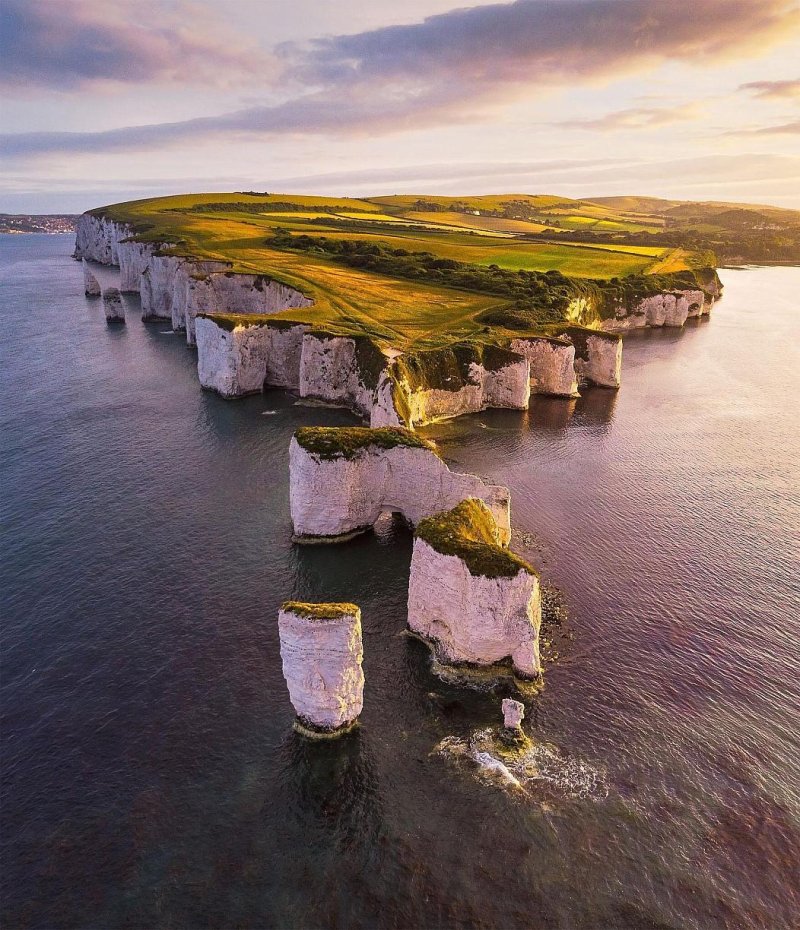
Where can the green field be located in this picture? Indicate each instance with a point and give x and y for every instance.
(402, 302)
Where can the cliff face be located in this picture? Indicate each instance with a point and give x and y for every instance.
(474, 605)
(322, 651)
(342, 494)
(552, 365)
(97, 239)
(244, 358)
(458, 379)
(175, 288)
(598, 356)
(667, 309)
(330, 371)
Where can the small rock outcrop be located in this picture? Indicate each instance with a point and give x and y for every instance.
(113, 305)
(341, 479)
(513, 713)
(91, 286)
(471, 599)
(321, 650)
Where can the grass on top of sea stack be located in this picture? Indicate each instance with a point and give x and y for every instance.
(468, 532)
(321, 611)
(346, 442)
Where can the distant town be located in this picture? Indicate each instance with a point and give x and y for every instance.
(50, 223)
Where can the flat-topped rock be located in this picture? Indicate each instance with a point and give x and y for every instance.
(473, 600)
(322, 652)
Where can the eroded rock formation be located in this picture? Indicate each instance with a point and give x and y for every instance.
(598, 356)
(113, 306)
(552, 364)
(341, 480)
(321, 650)
(473, 600)
(513, 713)
(91, 285)
(671, 308)
(458, 379)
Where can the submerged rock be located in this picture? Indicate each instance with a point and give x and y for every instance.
(113, 305)
(91, 285)
(322, 653)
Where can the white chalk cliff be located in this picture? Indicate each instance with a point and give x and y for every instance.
(458, 379)
(322, 651)
(671, 308)
(598, 357)
(336, 493)
(473, 601)
(552, 365)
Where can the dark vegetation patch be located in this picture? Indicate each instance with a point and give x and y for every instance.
(468, 532)
(274, 206)
(320, 611)
(334, 442)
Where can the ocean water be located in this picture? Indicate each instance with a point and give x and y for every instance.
(150, 774)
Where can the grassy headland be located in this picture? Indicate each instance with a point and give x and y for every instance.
(418, 273)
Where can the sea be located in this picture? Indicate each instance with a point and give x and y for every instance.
(151, 775)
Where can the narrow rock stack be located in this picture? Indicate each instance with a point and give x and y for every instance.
(322, 652)
(513, 713)
(113, 305)
(91, 285)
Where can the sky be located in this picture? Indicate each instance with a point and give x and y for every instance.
(111, 100)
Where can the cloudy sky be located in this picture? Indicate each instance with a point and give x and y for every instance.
(107, 100)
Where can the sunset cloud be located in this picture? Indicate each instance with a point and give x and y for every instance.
(637, 118)
(774, 90)
(445, 69)
(80, 43)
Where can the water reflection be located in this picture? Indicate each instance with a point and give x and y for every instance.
(596, 406)
(551, 413)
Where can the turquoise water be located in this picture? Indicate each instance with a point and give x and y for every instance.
(151, 777)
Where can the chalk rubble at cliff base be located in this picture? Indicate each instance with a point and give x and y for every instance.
(472, 600)
(341, 479)
(322, 652)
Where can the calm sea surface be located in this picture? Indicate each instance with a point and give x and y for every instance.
(151, 776)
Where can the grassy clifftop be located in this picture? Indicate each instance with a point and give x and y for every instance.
(416, 273)
(468, 532)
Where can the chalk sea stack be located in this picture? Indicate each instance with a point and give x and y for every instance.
(91, 286)
(343, 478)
(113, 305)
(322, 652)
(513, 713)
(473, 600)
